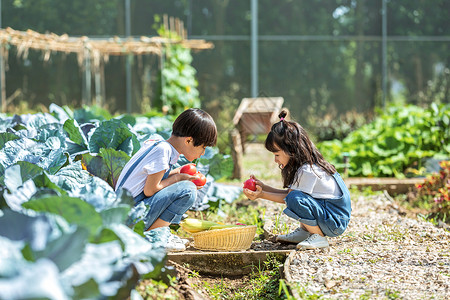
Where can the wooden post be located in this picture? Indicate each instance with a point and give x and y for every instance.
(2, 80)
(98, 94)
(102, 82)
(236, 153)
(87, 79)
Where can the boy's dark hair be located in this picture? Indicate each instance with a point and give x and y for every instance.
(292, 138)
(197, 124)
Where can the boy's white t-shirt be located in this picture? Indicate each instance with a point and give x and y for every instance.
(316, 182)
(157, 160)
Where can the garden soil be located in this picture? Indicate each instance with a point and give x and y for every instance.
(385, 253)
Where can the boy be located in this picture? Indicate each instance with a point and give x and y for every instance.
(168, 193)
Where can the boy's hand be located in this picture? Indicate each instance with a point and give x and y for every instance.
(184, 176)
(252, 195)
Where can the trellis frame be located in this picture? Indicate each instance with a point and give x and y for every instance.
(92, 54)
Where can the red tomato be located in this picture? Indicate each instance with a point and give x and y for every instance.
(201, 179)
(188, 169)
(250, 184)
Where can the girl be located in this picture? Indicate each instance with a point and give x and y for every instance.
(316, 195)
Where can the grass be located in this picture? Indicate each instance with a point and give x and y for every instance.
(157, 290)
(263, 283)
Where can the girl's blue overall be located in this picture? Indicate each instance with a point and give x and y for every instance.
(331, 215)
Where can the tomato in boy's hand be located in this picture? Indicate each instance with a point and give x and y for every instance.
(201, 180)
(250, 184)
(188, 169)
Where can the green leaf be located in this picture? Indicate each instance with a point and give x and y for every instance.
(107, 235)
(367, 169)
(116, 135)
(75, 134)
(91, 114)
(6, 137)
(386, 169)
(139, 228)
(66, 249)
(127, 119)
(74, 210)
(94, 165)
(87, 290)
(115, 215)
(114, 162)
(13, 178)
(55, 160)
(61, 113)
(107, 164)
(71, 177)
(43, 181)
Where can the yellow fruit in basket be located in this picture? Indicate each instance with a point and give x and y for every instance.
(195, 225)
(222, 226)
(192, 225)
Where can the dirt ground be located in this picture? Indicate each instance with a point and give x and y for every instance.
(384, 254)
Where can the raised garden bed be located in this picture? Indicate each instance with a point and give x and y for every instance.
(392, 185)
(225, 263)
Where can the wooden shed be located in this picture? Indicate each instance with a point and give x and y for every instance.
(253, 116)
(256, 116)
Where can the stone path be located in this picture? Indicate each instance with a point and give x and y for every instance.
(382, 255)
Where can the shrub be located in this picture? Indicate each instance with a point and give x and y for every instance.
(400, 138)
(436, 190)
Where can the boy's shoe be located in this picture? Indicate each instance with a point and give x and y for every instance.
(295, 237)
(314, 241)
(162, 238)
(176, 244)
(158, 237)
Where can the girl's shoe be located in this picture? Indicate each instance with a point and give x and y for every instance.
(295, 237)
(314, 241)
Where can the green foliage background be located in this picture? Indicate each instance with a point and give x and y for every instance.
(316, 54)
(400, 138)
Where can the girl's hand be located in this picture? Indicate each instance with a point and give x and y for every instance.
(258, 182)
(252, 195)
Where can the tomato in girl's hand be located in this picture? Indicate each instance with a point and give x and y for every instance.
(188, 169)
(250, 184)
(201, 180)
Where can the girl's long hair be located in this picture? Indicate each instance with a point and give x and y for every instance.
(291, 138)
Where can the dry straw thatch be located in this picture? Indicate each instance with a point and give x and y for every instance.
(91, 53)
(86, 47)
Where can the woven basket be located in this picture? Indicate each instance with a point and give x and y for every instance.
(226, 239)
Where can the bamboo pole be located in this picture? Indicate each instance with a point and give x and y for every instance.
(2, 79)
